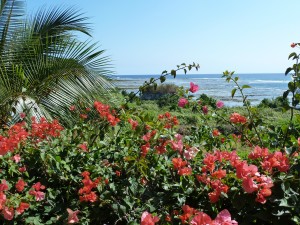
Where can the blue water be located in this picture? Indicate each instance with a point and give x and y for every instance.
(264, 85)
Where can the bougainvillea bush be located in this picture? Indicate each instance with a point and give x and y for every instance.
(125, 166)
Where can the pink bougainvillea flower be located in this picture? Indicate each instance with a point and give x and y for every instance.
(39, 195)
(148, 219)
(190, 153)
(193, 87)
(16, 158)
(8, 213)
(177, 145)
(183, 102)
(3, 186)
(249, 185)
(205, 109)
(219, 104)
(72, 107)
(224, 217)
(22, 115)
(72, 217)
(293, 45)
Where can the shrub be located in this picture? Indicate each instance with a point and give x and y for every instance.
(129, 166)
(153, 92)
(278, 102)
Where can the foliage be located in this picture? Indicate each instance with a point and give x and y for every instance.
(128, 165)
(44, 67)
(279, 102)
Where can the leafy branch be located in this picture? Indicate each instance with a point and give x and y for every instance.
(229, 77)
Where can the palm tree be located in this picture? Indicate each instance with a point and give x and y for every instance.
(44, 68)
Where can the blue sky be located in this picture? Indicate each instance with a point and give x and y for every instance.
(147, 37)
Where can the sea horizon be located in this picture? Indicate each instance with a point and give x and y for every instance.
(263, 85)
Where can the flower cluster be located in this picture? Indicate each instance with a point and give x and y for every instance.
(37, 191)
(195, 217)
(168, 120)
(237, 118)
(105, 112)
(16, 134)
(9, 207)
(270, 161)
(148, 219)
(252, 179)
(43, 129)
(181, 167)
(86, 193)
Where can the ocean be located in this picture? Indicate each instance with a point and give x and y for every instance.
(263, 85)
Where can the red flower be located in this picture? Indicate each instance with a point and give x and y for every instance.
(216, 132)
(133, 123)
(104, 111)
(3, 186)
(22, 169)
(118, 173)
(22, 207)
(148, 219)
(237, 118)
(83, 116)
(178, 163)
(185, 171)
(145, 148)
(193, 87)
(84, 147)
(20, 185)
(293, 45)
(214, 196)
(202, 219)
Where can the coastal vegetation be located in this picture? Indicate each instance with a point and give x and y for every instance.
(74, 150)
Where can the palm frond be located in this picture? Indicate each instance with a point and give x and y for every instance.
(46, 69)
(11, 13)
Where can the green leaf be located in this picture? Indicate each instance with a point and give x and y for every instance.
(285, 94)
(233, 92)
(292, 86)
(288, 70)
(173, 73)
(246, 86)
(294, 55)
(162, 79)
